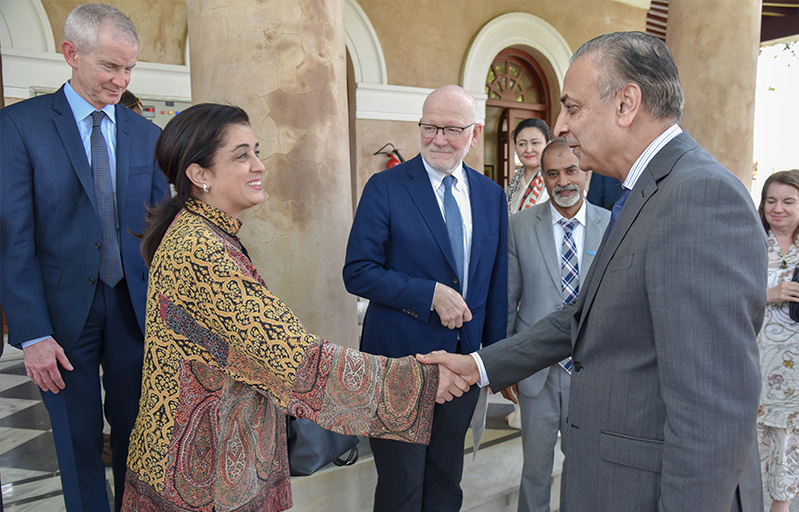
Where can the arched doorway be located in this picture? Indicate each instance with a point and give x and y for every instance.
(517, 88)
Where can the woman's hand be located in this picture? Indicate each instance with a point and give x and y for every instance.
(786, 291)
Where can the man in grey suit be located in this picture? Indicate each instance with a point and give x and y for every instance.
(540, 243)
(664, 392)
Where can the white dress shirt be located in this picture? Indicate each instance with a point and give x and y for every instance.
(460, 191)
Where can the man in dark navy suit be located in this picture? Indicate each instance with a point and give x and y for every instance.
(78, 173)
(428, 248)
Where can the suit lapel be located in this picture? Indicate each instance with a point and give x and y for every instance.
(638, 197)
(546, 240)
(70, 137)
(424, 198)
(477, 200)
(658, 168)
(593, 237)
(122, 156)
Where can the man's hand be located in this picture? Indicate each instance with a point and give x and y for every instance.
(41, 364)
(450, 385)
(511, 392)
(450, 306)
(459, 364)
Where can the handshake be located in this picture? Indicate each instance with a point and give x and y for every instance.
(456, 373)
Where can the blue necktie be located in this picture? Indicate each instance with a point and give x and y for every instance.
(569, 266)
(614, 213)
(110, 260)
(454, 225)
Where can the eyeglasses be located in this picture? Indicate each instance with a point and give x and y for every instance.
(450, 132)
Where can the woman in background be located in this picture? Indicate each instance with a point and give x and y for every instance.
(526, 187)
(224, 359)
(778, 341)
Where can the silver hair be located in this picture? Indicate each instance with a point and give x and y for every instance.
(82, 27)
(637, 57)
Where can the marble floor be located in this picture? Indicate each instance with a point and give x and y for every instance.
(29, 472)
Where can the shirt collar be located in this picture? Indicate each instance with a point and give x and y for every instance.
(81, 108)
(437, 177)
(648, 154)
(579, 216)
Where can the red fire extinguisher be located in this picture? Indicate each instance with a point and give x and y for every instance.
(393, 154)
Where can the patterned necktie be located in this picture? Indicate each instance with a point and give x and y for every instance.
(569, 266)
(569, 273)
(454, 225)
(110, 260)
(614, 213)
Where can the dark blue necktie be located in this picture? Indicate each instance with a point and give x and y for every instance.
(614, 213)
(454, 225)
(110, 260)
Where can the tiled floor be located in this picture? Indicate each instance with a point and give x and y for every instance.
(28, 467)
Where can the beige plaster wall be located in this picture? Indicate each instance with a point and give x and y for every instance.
(161, 25)
(425, 42)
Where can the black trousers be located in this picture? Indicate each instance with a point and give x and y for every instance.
(418, 478)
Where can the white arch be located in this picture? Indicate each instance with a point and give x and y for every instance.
(515, 28)
(25, 25)
(364, 47)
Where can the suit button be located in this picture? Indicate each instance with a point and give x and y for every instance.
(97, 245)
(455, 280)
(577, 366)
(91, 280)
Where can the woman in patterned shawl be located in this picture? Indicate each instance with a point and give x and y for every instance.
(526, 186)
(225, 360)
(778, 341)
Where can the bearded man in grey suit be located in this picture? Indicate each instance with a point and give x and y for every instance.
(550, 246)
(664, 392)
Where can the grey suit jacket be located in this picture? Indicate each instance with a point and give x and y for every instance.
(534, 281)
(664, 395)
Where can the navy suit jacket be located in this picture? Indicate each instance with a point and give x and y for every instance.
(49, 226)
(604, 190)
(399, 249)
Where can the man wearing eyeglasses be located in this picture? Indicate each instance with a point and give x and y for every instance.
(428, 248)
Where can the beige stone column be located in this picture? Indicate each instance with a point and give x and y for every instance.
(283, 61)
(715, 44)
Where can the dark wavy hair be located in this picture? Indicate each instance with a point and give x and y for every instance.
(191, 137)
(532, 122)
(791, 178)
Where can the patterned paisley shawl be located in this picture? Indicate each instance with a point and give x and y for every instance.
(225, 360)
